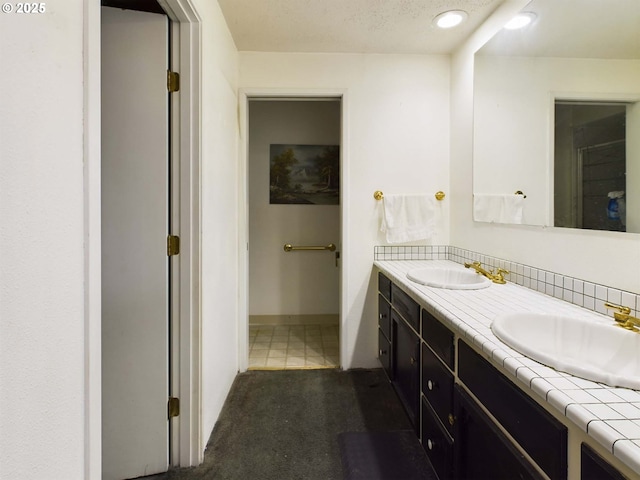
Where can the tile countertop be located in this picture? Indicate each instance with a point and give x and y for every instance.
(609, 415)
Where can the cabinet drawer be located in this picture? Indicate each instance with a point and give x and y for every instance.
(437, 443)
(384, 286)
(437, 387)
(439, 338)
(384, 353)
(541, 435)
(384, 316)
(406, 307)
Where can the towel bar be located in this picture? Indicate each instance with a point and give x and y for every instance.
(378, 195)
(288, 247)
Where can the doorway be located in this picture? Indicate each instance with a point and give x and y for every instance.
(294, 223)
(185, 436)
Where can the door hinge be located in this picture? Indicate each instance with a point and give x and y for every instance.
(173, 245)
(173, 407)
(173, 81)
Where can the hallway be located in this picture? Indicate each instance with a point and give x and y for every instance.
(285, 425)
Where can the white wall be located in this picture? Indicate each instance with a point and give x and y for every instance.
(41, 245)
(294, 283)
(607, 258)
(219, 176)
(397, 130)
(45, 423)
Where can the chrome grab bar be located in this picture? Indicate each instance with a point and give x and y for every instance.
(288, 247)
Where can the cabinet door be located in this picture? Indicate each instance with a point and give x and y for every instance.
(594, 467)
(406, 366)
(542, 436)
(481, 450)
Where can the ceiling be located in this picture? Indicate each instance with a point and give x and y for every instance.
(350, 26)
(574, 28)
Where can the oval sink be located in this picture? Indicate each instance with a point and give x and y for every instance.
(450, 278)
(599, 352)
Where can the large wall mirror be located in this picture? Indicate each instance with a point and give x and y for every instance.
(557, 115)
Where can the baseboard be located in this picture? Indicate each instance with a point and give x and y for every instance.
(320, 319)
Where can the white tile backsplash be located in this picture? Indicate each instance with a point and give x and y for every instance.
(573, 290)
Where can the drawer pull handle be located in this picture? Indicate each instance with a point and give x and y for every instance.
(431, 385)
(412, 360)
(382, 352)
(452, 419)
(431, 444)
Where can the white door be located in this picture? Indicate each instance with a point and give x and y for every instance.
(134, 230)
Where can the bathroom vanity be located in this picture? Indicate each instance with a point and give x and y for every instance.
(480, 408)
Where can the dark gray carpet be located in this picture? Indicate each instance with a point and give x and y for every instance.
(284, 425)
(393, 455)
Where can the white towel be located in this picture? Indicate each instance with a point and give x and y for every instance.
(407, 218)
(498, 208)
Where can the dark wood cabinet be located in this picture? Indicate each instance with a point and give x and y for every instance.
(537, 431)
(439, 383)
(406, 365)
(482, 451)
(384, 324)
(594, 467)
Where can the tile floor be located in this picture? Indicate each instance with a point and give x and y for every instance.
(288, 347)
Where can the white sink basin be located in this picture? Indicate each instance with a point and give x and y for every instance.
(451, 278)
(596, 351)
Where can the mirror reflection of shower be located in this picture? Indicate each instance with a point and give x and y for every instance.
(590, 186)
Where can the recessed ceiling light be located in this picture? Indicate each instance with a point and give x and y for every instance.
(450, 19)
(520, 21)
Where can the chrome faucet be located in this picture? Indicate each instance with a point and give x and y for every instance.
(497, 277)
(622, 315)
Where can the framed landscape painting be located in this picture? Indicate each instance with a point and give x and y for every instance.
(304, 174)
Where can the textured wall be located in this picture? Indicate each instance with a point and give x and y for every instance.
(41, 244)
(396, 114)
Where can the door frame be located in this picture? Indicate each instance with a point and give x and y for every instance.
(186, 379)
(244, 95)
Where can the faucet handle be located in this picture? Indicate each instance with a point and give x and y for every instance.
(498, 276)
(621, 313)
(620, 308)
